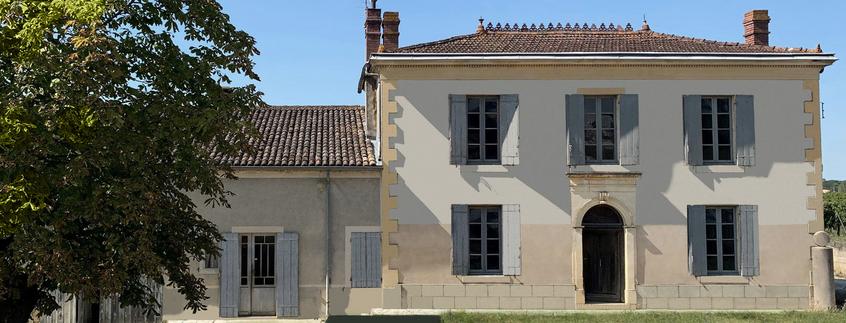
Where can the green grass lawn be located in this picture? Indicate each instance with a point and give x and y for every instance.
(648, 317)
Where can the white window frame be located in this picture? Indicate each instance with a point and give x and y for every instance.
(714, 132)
(720, 271)
(597, 111)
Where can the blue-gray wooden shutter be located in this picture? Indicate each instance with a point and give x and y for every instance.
(460, 243)
(67, 305)
(696, 251)
(629, 132)
(692, 110)
(509, 130)
(374, 259)
(366, 262)
(511, 239)
(575, 114)
(749, 265)
(745, 130)
(458, 129)
(230, 275)
(287, 274)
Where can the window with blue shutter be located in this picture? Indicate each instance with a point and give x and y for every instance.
(366, 260)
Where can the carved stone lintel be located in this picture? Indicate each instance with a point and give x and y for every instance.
(603, 196)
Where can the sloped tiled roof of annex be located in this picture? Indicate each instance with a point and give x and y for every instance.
(316, 136)
(583, 39)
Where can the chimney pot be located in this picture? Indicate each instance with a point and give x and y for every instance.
(390, 30)
(756, 27)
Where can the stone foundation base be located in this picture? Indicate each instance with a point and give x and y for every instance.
(723, 297)
(493, 296)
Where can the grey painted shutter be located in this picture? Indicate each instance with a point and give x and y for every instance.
(749, 265)
(629, 132)
(366, 260)
(374, 259)
(458, 129)
(745, 133)
(287, 274)
(511, 239)
(358, 246)
(230, 275)
(509, 132)
(696, 252)
(575, 114)
(693, 129)
(460, 251)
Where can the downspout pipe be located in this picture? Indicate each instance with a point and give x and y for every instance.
(328, 259)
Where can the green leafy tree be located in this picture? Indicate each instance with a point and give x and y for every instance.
(834, 212)
(110, 111)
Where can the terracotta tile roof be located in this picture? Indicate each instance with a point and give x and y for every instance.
(308, 136)
(581, 38)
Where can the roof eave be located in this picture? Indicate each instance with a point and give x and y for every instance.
(802, 56)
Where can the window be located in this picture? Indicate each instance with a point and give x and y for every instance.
(721, 240)
(483, 130)
(211, 262)
(261, 249)
(600, 130)
(484, 233)
(717, 139)
(366, 260)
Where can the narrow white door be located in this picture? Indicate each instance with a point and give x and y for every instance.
(258, 281)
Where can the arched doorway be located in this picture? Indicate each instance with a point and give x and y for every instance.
(602, 245)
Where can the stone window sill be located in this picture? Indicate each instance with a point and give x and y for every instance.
(714, 169)
(485, 279)
(726, 280)
(484, 168)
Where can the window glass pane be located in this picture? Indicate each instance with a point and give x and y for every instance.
(475, 262)
(725, 152)
(608, 136)
(590, 104)
(708, 152)
(607, 121)
(712, 263)
(608, 152)
(493, 262)
(727, 216)
(590, 121)
(473, 121)
(729, 263)
(493, 247)
(491, 152)
(728, 247)
(711, 231)
(493, 231)
(724, 137)
(590, 137)
(475, 216)
(490, 120)
(475, 246)
(723, 105)
(493, 216)
(711, 246)
(473, 137)
(706, 105)
(474, 152)
(728, 231)
(707, 137)
(707, 122)
(710, 216)
(475, 231)
(607, 104)
(723, 121)
(491, 136)
(472, 105)
(590, 153)
(490, 106)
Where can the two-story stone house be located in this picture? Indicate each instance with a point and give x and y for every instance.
(584, 166)
(546, 166)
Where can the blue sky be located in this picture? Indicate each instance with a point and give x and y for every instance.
(321, 42)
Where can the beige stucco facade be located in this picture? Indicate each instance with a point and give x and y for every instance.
(419, 184)
(294, 200)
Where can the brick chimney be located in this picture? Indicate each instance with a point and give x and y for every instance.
(756, 27)
(372, 30)
(390, 30)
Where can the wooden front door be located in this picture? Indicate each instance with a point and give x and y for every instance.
(603, 265)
